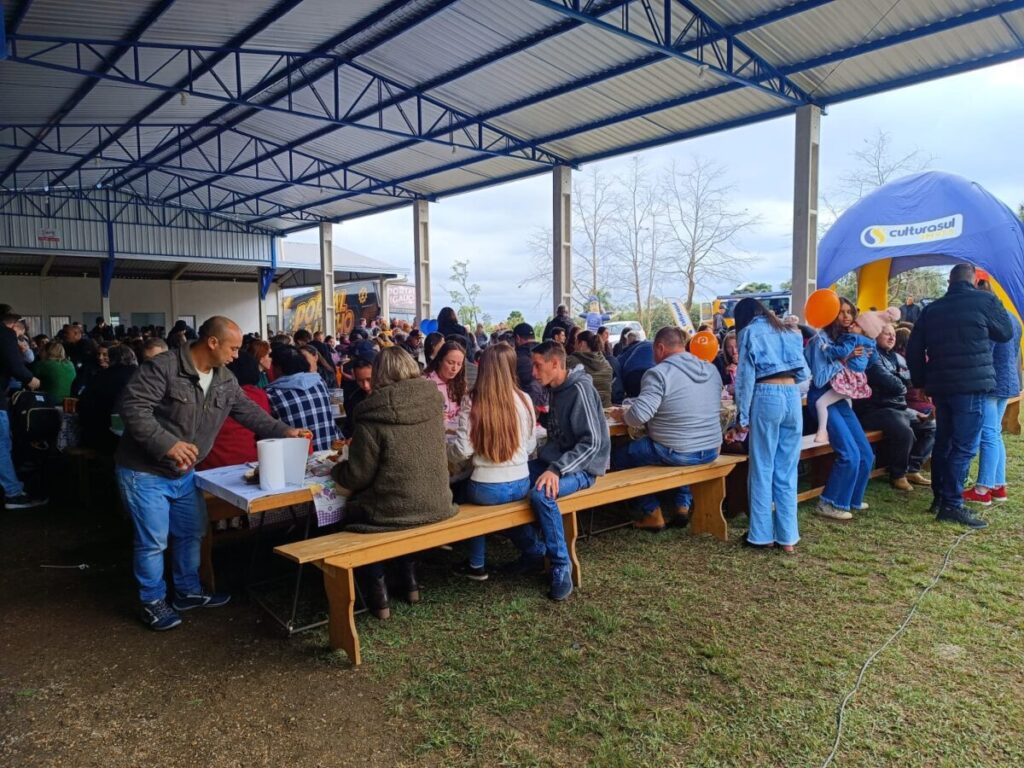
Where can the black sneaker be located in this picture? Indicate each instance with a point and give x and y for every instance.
(200, 600)
(159, 616)
(961, 516)
(467, 570)
(23, 501)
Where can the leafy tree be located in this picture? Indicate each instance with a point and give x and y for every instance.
(786, 285)
(515, 317)
(465, 294)
(753, 288)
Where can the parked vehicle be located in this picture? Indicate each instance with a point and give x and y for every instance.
(617, 327)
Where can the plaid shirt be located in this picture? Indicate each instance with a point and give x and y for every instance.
(309, 408)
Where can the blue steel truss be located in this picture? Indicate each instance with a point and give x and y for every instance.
(185, 169)
(324, 87)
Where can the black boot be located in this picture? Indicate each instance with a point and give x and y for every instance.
(377, 596)
(412, 587)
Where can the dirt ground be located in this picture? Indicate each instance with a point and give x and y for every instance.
(83, 683)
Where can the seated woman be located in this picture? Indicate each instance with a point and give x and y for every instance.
(909, 434)
(447, 370)
(588, 354)
(99, 400)
(728, 361)
(396, 474)
(299, 397)
(54, 371)
(499, 439)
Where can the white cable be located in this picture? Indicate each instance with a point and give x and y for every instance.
(902, 628)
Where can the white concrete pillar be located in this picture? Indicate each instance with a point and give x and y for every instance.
(105, 307)
(561, 227)
(805, 205)
(421, 257)
(327, 278)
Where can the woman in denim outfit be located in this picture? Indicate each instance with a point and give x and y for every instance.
(851, 471)
(771, 366)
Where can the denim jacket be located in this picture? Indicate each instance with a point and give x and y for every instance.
(765, 352)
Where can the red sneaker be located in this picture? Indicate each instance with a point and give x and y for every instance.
(999, 494)
(982, 499)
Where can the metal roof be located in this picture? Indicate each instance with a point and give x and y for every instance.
(278, 114)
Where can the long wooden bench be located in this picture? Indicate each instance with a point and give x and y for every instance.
(819, 455)
(339, 554)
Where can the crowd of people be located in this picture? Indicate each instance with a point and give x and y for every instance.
(528, 419)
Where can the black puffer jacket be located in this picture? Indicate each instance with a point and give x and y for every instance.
(889, 379)
(949, 351)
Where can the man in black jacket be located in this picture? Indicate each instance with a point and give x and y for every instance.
(12, 366)
(524, 365)
(909, 435)
(560, 320)
(950, 356)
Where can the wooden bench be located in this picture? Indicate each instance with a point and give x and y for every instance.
(339, 554)
(821, 458)
(1011, 419)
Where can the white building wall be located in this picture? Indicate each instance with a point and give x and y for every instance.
(79, 298)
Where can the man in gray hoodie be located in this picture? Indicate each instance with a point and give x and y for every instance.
(679, 403)
(575, 454)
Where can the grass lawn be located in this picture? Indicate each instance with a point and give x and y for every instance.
(683, 651)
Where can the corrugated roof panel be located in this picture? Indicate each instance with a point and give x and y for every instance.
(205, 22)
(106, 19)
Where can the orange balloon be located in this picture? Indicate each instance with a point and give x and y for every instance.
(822, 307)
(704, 345)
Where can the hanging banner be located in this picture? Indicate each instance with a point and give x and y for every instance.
(301, 307)
(680, 315)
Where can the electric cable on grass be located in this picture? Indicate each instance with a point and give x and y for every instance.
(840, 714)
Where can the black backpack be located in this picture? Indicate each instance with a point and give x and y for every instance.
(35, 418)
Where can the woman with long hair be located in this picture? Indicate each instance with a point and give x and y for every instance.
(260, 351)
(572, 339)
(447, 370)
(496, 429)
(431, 345)
(848, 479)
(448, 324)
(770, 369)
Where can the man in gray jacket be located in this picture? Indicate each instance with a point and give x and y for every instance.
(575, 454)
(172, 410)
(679, 402)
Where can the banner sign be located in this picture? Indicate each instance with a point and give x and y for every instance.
(680, 315)
(301, 307)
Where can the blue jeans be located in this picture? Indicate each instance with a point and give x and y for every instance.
(163, 509)
(551, 540)
(489, 494)
(958, 424)
(992, 460)
(646, 453)
(8, 479)
(776, 426)
(851, 471)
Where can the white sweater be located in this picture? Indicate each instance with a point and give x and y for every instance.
(484, 470)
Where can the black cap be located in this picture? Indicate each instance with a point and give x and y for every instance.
(523, 331)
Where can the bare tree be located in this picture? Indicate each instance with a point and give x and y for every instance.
(594, 204)
(704, 228)
(638, 229)
(874, 164)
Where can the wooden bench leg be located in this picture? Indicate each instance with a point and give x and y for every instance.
(339, 583)
(1011, 419)
(706, 515)
(206, 574)
(571, 527)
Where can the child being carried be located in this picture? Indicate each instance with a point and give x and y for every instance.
(851, 382)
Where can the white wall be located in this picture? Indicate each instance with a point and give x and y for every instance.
(78, 296)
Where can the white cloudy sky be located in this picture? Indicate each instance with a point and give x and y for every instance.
(970, 124)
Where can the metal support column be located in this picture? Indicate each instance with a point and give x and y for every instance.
(327, 278)
(561, 227)
(107, 274)
(266, 280)
(421, 257)
(805, 205)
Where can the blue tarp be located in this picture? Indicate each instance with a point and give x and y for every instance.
(928, 219)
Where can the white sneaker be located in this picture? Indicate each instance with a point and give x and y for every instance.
(863, 506)
(828, 511)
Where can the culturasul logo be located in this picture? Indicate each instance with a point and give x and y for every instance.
(893, 235)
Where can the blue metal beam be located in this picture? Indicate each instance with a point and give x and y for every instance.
(109, 263)
(727, 58)
(156, 10)
(265, 20)
(213, 162)
(267, 273)
(749, 24)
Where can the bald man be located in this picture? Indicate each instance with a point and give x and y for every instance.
(172, 410)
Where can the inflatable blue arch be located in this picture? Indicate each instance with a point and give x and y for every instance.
(923, 220)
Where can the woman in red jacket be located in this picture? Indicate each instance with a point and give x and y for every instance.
(235, 444)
